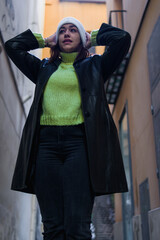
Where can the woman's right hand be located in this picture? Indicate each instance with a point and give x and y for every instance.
(50, 41)
(88, 40)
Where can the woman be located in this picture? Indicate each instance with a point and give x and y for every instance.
(69, 151)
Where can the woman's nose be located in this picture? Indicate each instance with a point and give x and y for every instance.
(67, 32)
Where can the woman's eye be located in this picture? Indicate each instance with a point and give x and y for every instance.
(73, 30)
(61, 31)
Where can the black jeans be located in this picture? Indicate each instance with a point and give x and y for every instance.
(62, 183)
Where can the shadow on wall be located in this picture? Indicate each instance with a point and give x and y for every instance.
(7, 219)
(8, 17)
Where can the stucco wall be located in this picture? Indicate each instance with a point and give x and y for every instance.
(17, 16)
(17, 210)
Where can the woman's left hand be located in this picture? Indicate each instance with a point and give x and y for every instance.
(88, 41)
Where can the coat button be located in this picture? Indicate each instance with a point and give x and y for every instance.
(87, 114)
(83, 89)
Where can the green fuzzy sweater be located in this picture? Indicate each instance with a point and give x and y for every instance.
(61, 100)
(61, 103)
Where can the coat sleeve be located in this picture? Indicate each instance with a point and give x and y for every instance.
(17, 49)
(117, 42)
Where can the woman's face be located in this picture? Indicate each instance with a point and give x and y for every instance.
(69, 38)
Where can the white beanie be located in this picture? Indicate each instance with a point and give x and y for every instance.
(75, 22)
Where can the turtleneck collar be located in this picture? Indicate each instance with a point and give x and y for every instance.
(68, 57)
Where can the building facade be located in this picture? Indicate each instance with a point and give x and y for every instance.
(17, 210)
(134, 95)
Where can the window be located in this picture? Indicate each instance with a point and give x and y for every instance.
(127, 198)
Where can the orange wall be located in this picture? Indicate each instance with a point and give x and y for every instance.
(90, 14)
(136, 90)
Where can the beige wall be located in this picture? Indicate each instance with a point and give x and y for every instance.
(16, 17)
(136, 90)
(132, 16)
(90, 14)
(17, 210)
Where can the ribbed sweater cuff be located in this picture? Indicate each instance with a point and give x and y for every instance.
(40, 40)
(94, 38)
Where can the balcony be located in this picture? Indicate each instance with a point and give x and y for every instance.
(115, 81)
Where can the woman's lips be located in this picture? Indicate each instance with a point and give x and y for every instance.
(67, 41)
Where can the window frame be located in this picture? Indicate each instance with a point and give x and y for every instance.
(125, 111)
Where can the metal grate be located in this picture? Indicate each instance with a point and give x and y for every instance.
(116, 15)
(115, 81)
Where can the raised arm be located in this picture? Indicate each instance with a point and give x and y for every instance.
(117, 42)
(17, 49)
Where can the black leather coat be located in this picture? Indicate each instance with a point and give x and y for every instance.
(105, 160)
